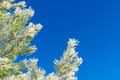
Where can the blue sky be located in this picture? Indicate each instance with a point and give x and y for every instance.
(95, 23)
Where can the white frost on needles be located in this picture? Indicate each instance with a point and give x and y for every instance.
(68, 64)
(3, 59)
(15, 37)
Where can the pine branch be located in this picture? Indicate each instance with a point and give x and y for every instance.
(15, 37)
(68, 64)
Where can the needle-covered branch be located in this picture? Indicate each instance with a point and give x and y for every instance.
(15, 37)
(68, 64)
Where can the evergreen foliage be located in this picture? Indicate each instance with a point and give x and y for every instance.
(15, 37)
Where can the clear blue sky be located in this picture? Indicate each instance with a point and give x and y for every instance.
(95, 23)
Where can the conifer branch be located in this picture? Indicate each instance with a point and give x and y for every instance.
(15, 38)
